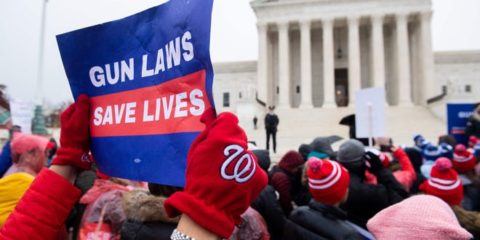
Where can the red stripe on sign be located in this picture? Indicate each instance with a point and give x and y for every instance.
(174, 106)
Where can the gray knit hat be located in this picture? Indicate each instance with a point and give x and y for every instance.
(351, 151)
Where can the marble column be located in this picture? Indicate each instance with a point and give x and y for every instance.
(426, 56)
(353, 59)
(284, 65)
(403, 60)
(306, 64)
(328, 64)
(262, 64)
(378, 55)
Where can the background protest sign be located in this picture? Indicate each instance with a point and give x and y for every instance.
(150, 79)
(457, 117)
(370, 112)
(22, 114)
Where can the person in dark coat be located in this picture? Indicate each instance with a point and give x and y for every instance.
(285, 178)
(271, 124)
(365, 200)
(322, 218)
(267, 202)
(416, 158)
(146, 215)
(473, 124)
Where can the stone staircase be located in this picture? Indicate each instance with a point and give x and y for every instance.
(302, 125)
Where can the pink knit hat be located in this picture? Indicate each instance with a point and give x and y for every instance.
(22, 143)
(421, 216)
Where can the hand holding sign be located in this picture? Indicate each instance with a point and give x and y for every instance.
(217, 193)
(149, 78)
(75, 135)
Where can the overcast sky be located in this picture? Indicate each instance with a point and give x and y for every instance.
(234, 35)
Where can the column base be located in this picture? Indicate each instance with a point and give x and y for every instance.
(329, 105)
(405, 104)
(306, 106)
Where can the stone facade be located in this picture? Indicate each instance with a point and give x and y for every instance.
(318, 53)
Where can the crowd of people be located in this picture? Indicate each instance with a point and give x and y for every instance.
(428, 190)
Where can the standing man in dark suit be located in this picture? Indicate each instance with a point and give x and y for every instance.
(271, 123)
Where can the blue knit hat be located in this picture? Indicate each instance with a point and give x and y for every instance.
(420, 141)
(432, 152)
(447, 150)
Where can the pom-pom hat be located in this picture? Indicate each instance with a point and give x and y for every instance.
(463, 160)
(327, 180)
(444, 182)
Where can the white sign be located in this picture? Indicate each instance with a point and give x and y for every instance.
(22, 115)
(370, 113)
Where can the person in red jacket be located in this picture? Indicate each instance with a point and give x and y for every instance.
(207, 211)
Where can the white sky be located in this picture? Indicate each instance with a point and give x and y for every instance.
(234, 35)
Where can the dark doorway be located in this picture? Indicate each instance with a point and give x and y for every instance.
(341, 87)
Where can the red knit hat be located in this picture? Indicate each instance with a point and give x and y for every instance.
(444, 182)
(291, 160)
(463, 160)
(327, 180)
(472, 141)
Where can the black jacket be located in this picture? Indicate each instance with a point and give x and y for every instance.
(366, 200)
(134, 230)
(267, 205)
(319, 221)
(473, 127)
(271, 122)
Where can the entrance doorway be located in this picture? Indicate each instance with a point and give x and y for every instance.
(341, 87)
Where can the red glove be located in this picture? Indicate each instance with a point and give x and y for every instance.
(75, 135)
(222, 177)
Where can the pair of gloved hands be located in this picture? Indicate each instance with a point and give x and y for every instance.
(372, 157)
(222, 175)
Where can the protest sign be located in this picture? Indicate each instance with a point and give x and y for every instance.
(457, 117)
(149, 77)
(370, 113)
(22, 113)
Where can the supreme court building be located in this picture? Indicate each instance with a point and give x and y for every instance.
(318, 53)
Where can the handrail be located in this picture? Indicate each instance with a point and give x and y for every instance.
(259, 101)
(438, 97)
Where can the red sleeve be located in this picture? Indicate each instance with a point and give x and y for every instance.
(281, 183)
(42, 211)
(407, 175)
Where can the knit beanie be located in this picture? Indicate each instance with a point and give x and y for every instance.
(327, 180)
(263, 158)
(417, 217)
(323, 145)
(351, 151)
(432, 152)
(447, 150)
(420, 141)
(463, 160)
(444, 182)
(472, 141)
(290, 161)
(22, 143)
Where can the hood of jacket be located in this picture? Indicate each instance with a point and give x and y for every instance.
(141, 206)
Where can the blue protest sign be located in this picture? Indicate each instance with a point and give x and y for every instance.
(457, 117)
(149, 77)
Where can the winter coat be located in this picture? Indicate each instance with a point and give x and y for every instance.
(5, 158)
(473, 127)
(146, 217)
(33, 219)
(406, 176)
(365, 200)
(271, 122)
(12, 188)
(469, 220)
(286, 179)
(267, 205)
(319, 221)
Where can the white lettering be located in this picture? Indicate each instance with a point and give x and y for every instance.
(146, 117)
(187, 46)
(112, 80)
(97, 116)
(196, 99)
(130, 115)
(167, 109)
(145, 71)
(172, 50)
(127, 70)
(108, 117)
(180, 104)
(97, 76)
